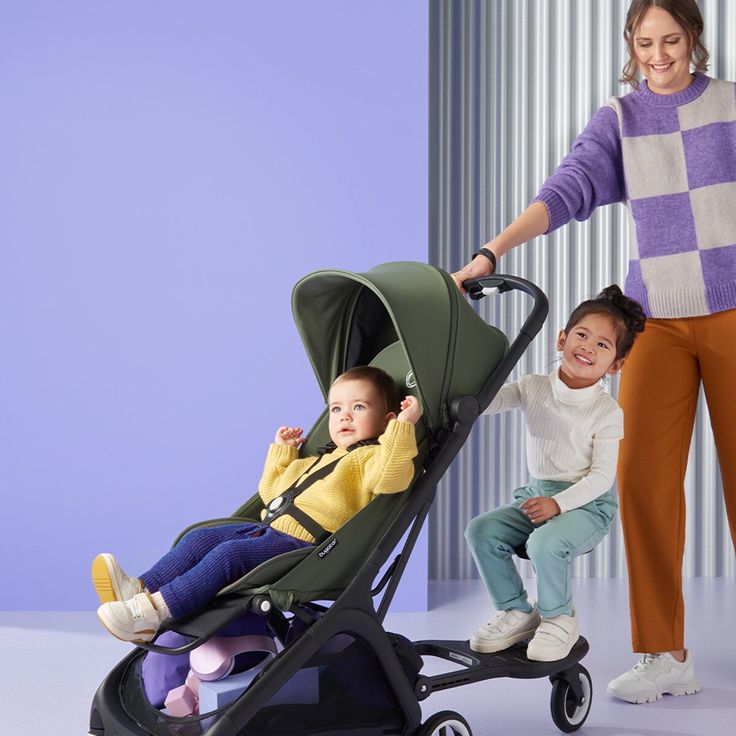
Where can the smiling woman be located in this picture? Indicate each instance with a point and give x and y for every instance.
(664, 39)
(663, 52)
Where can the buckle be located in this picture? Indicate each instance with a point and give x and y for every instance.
(275, 505)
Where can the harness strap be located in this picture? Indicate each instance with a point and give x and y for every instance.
(318, 532)
(284, 504)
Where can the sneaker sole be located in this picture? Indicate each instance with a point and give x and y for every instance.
(102, 579)
(140, 636)
(490, 647)
(689, 688)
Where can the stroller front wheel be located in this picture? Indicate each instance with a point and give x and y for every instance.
(444, 723)
(568, 713)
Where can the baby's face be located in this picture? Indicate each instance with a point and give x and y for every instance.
(356, 412)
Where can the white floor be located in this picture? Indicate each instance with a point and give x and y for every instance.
(52, 663)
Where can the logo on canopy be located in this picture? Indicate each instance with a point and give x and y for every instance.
(411, 382)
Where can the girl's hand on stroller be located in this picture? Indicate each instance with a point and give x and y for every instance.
(540, 509)
(289, 436)
(411, 410)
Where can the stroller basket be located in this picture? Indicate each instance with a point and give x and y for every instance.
(340, 688)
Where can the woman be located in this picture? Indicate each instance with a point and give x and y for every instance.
(668, 150)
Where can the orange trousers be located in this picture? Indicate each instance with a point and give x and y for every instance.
(660, 382)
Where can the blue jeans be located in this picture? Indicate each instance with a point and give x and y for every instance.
(551, 547)
(208, 558)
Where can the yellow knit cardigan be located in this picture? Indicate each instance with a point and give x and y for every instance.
(359, 476)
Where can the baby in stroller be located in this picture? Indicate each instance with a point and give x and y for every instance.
(372, 451)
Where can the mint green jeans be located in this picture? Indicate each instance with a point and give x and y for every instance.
(551, 547)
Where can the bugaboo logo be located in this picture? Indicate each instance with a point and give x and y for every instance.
(411, 382)
(324, 552)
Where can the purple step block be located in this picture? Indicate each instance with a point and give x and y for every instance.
(302, 688)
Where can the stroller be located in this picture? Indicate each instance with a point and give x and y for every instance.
(323, 603)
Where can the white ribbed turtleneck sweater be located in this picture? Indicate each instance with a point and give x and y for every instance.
(571, 434)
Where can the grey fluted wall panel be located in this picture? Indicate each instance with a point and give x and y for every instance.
(512, 83)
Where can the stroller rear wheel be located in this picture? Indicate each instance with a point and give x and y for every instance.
(567, 713)
(444, 723)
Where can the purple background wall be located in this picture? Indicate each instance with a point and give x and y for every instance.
(169, 170)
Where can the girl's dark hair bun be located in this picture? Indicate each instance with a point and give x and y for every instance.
(630, 309)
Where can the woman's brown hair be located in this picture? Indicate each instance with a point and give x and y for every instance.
(685, 12)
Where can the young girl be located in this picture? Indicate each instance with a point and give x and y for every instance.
(362, 406)
(573, 430)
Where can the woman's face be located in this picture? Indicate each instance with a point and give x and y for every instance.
(662, 50)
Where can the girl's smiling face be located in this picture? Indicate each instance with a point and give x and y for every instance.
(663, 49)
(588, 351)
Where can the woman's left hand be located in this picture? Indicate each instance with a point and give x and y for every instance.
(540, 509)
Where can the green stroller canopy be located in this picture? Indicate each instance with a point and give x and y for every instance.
(346, 319)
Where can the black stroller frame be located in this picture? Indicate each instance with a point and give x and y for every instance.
(354, 610)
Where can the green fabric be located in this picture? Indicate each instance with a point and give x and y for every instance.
(430, 340)
(450, 349)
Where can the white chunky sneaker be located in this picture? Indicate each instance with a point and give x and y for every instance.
(653, 676)
(554, 639)
(134, 620)
(110, 582)
(505, 629)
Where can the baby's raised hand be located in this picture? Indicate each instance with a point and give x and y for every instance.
(411, 410)
(289, 436)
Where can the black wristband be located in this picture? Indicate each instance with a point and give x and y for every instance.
(489, 255)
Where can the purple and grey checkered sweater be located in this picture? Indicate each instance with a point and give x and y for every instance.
(672, 160)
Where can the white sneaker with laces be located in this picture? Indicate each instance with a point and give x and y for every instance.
(111, 583)
(653, 676)
(505, 629)
(133, 620)
(554, 639)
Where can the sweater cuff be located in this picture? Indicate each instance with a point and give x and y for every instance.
(281, 454)
(562, 504)
(556, 209)
(400, 428)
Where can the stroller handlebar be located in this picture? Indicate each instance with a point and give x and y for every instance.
(498, 284)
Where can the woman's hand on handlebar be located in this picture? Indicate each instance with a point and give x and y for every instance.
(533, 221)
(477, 268)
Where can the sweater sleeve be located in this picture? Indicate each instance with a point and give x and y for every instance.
(602, 472)
(278, 459)
(591, 175)
(507, 398)
(391, 468)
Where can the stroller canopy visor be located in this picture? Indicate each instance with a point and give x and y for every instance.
(346, 319)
